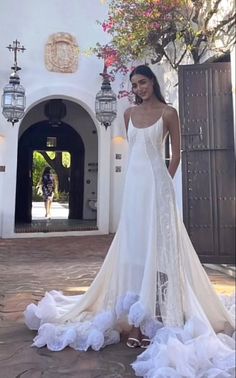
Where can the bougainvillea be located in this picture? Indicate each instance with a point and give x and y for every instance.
(166, 29)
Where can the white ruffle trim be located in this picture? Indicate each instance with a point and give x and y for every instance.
(79, 336)
(130, 307)
(229, 303)
(97, 332)
(193, 351)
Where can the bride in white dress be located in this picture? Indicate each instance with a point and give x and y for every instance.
(151, 282)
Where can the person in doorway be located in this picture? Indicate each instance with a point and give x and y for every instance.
(151, 284)
(48, 187)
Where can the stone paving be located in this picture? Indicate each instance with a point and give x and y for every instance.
(28, 268)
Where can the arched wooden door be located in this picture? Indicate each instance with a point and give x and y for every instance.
(208, 159)
(35, 138)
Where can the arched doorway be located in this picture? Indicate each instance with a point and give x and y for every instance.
(35, 138)
(75, 133)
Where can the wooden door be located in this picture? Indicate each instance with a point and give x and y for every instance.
(208, 160)
(24, 185)
(35, 138)
(76, 184)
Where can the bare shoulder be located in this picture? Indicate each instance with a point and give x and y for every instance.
(170, 115)
(170, 111)
(171, 119)
(127, 114)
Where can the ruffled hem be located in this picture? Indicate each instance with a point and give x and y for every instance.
(189, 352)
(97, 332)
(193, 351)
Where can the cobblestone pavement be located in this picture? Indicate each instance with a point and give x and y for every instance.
(28, 268)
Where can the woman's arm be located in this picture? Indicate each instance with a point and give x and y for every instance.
(127, 114)
(171, 120)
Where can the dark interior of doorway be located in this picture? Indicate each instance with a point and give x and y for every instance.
(36, 138)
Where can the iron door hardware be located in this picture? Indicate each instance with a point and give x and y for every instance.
(199, 134)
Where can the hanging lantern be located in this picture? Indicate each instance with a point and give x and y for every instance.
(13, 98)
(106, 103)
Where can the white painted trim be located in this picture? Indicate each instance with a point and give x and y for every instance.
(9, 184)
(103, 205)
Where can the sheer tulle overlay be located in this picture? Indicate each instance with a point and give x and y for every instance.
(151, 278)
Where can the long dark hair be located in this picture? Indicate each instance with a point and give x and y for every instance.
(47, 171)
(146, 71)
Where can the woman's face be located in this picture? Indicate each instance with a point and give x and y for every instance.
(142, 86)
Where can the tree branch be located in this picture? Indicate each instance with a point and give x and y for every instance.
(211, 13)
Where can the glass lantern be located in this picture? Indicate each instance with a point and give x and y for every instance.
(106, 103)
(13, 99)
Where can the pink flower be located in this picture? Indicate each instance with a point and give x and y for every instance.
(148, 13)
(156, 25)
(107, 26)
(123, 93)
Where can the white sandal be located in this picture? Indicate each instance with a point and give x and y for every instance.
(146, 341)
(132, 342)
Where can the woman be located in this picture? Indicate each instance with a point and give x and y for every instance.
(48, 187)
(151, 282)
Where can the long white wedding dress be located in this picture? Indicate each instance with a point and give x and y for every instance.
(151, 277)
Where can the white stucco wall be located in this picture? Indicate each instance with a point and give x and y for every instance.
(233, 64)
(32, 24)
(2, 175)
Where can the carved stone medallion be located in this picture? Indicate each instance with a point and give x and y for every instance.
(61, 53)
